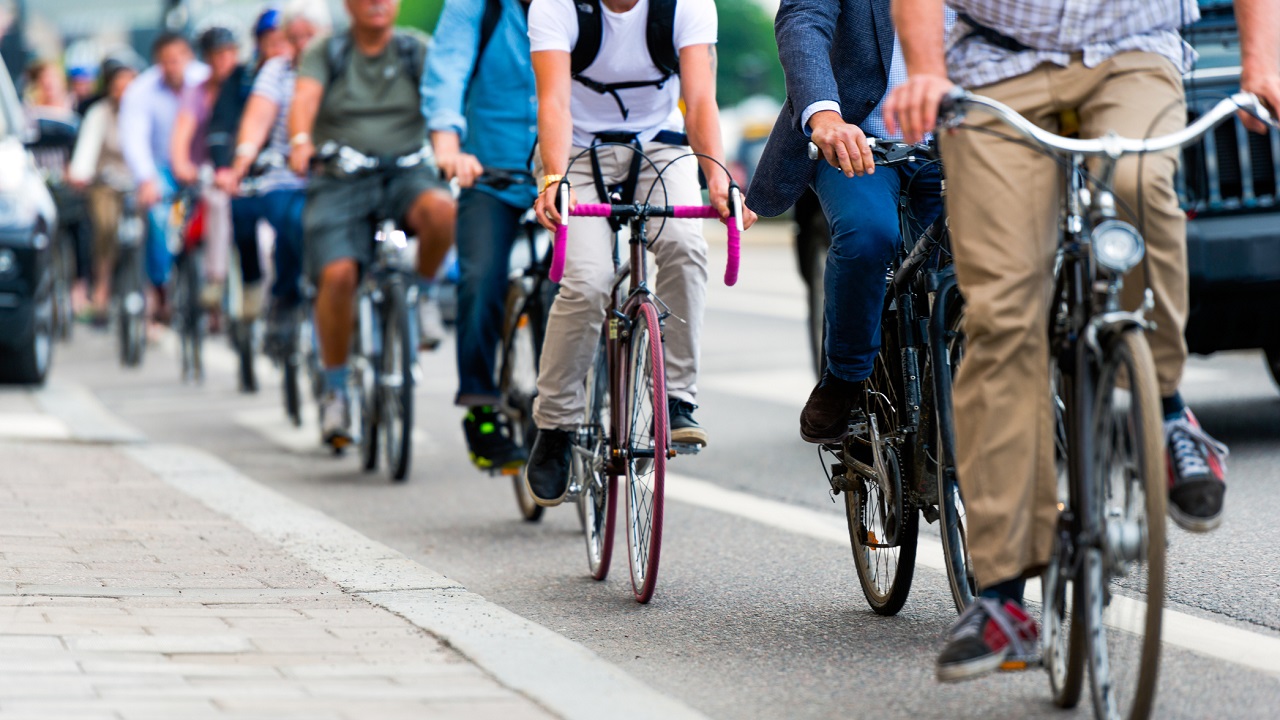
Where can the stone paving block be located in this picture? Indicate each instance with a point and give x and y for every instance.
(400, 673)
(498, 709)
(15, 665)
(44, 685)
(12, 643)
(168, 644)
(168, 667)
(218, 691)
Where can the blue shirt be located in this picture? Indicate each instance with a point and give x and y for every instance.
(147, 115)
(495, 112)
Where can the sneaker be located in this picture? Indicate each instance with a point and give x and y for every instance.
(430, 323)
(546, 475)
(1197, 474)
(684, 429)
(988, 635)
(489, 440)
(825, 418)
(335, 420)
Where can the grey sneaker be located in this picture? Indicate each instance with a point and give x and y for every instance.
(1197, 474)
(335, 420)
(430, 323)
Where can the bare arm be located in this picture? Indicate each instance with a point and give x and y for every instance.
(184, 130)
(555, 124)
(913, 106)
(702, 121)
(307, 94)
(1259, 23)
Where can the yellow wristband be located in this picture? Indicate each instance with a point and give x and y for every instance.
(549, 180)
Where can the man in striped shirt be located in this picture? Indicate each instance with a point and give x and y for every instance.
(1118, 65)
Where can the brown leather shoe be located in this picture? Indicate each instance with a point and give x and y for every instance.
(825, 418)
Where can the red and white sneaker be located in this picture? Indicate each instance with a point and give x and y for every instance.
(1197, 474)
(988, 636)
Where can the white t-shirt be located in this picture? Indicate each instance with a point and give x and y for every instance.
(623, 57)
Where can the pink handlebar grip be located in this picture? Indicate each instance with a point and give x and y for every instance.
(731, 266)
(592, 210)
(557, 254)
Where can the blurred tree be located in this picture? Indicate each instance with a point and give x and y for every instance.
(748, 54)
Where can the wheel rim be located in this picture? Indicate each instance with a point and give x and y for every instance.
(646, 413)
(867, 511)
(595, 500)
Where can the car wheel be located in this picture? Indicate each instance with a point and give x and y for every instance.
(1273, 364)
(28, 360)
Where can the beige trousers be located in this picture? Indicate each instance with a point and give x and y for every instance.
(573, 327)
(1004, 203)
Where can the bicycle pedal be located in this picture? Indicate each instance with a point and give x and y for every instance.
(1016, 664)
(686, 448)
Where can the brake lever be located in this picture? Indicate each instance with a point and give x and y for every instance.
(951, 109)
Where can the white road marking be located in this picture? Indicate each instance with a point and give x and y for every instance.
(32, 426)
(1207, 637)
(785, 387)
(782, 307)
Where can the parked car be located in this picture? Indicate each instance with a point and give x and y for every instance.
(1229, 185)
(27, 224)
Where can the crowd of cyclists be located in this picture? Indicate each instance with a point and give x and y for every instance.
(335, 123)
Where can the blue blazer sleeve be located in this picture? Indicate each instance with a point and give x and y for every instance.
(804, 30)
(449, 65)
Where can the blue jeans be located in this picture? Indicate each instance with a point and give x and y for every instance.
(158, 258)
(282, 209)
(487, 229)
(865, 234)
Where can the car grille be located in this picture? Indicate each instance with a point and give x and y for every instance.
(1229, 169)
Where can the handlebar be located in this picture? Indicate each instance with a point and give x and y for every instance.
(648, 211)
(499, 179)
(349, 161)
(951, 114)
(888, 153)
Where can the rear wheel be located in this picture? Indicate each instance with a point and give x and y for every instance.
(647, 439)
(597, 501)
(954, 525)
(518, 378)
(131, 310)
(1124, 579)
(396, 382)
(884, 571)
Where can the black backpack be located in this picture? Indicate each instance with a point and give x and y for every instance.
(411, 50)
(659, 36)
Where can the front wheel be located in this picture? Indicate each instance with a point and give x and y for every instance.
(885, 571)
(646, 442)
(524, 321)
(1124, 578)
(395, 383)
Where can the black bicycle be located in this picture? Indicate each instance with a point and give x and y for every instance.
(128, 284)
(187, 284)
(385, 343)
(529, 296)
(904, 426)
(1104, 588)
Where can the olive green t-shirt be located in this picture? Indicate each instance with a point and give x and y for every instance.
(374, 106)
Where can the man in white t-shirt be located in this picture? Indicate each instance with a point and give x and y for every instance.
(623, 94)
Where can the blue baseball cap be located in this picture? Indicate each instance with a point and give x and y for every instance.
(269, 20)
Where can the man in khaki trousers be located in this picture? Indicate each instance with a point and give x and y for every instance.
(1118, 65)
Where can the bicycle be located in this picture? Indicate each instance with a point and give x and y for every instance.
(528, 300)
(128, 284)
(385, 343)
(905, 422)
(626, 429)
(1110, 539)
(185, 239)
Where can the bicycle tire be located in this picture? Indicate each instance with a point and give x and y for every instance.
(1062, 614)
(597, 504)
(871, 563)
(64, 278)
(952, 527)
(1128, 505)
(646, 442)
(131, 308)
(517, 380)
(395, 382)
(291, 387)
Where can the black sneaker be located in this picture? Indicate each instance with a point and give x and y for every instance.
(1197, 474)
(825, 418)
(546, 475)
(684, 429)
(988, 635)
(490, 442)
(278, 338)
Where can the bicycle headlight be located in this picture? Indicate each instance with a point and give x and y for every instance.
(1117, 246)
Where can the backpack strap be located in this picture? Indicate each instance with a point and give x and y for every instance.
(410, 50)
(659, 36)
(488, 26)
(338, 54)
(590, 30)
(660, 31)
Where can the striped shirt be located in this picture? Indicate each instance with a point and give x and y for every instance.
(1056, 29)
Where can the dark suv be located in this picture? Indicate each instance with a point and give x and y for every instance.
(1229, 184)
(27, 222)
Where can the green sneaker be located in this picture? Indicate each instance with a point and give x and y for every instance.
(490, 441)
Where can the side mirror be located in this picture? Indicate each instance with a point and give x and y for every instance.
(49, 133)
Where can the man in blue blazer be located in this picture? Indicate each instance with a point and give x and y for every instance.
(841, 58)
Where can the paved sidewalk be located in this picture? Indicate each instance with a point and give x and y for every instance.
(121, 597)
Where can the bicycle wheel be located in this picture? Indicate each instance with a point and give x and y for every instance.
(646, 441)
(64, 276)
(1061, 617)
(598, 500)
(518, 377)
(395, 382)
(365, 395)
(1128, 507)
(131, 308)
(954, 525)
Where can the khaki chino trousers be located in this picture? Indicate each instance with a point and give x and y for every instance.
(577, 315)
(1004, 203)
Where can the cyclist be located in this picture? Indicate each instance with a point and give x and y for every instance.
(361, 89)
(470, 84)
(220, 50)
(1119, 65)
(147, 115)
(622, 95)
(281, 193)
(98, 167)
(837, 80)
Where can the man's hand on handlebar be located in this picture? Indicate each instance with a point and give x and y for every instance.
(719, 192)
(1266, 86)
(843, 145)
(912, 108)
(227, 180)
(300, 155)
(547, 206)
(463, 166)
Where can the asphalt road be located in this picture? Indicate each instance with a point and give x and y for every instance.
(751, 619)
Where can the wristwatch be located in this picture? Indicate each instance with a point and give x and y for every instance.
(549, 180)
(300, 139)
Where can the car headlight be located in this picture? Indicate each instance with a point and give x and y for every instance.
(1117, 246)
(8, 263)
